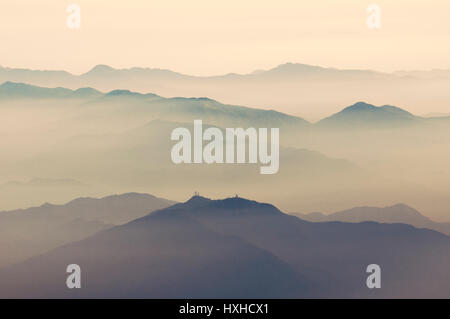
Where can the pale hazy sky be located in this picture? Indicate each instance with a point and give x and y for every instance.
(205, 37)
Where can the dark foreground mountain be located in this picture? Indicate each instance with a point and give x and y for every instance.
(399, 213)
(243, 249)
(27, 232)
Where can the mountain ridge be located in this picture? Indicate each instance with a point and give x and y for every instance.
(294, 88)
(287, 66)
(369, 115)
(38, 229)
(194, 105)
(398, 213)
(194, 255)
(360, 115)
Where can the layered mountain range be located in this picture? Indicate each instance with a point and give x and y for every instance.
(294, 88)
(399, 213)
(28, 232)
(238, 248)
(359, 114)
(120, 141)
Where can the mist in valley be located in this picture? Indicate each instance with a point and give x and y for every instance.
(89, 143)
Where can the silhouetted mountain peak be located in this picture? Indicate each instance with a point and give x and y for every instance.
(359, 106)
(122, 93)
(232, 206)
(103, 70)
(366, 107)
(47, 205)
(406, 212)
(8, 84)
(119, 198)
(128, 93)
(240, 203)
(227, 203)
(195, 202)
(100, 69)
(87, 91)
(197, 199)
(294, 68)
(365, 114)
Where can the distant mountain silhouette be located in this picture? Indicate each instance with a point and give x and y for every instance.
(359, 115)
(174, 108)
(299, 70)
(32, 192)
(292, 88)
(22, 90)
(128, 93)
(38, 229)
(399, 213)
(237, 248)
(106, 71)
(366, 116)
(102, 70)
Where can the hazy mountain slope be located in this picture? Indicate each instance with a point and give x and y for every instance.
(151, 106)
(142, 156)
(358, 115)
(205, 248)
(115, 209)
(51, 78)
(159, 256)
(27, 232)
(139, 159)
(12, 90)
(33, 192)
(104, 141)
(292, 88)
(365, 116)
(399, 213)
(337, 252)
